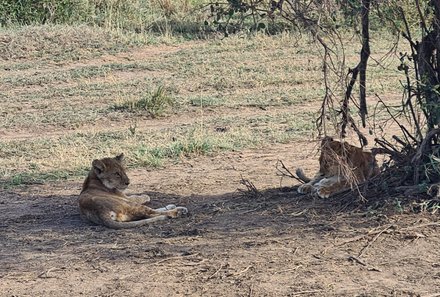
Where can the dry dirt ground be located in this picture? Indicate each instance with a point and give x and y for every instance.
(231, 244)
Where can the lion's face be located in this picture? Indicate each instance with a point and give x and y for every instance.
(111, 172)
(337, 157)
(332, 154)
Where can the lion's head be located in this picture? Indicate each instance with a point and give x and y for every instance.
(343, 159)
(111, 172)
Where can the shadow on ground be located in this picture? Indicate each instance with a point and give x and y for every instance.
(269, 243)
(44, 224)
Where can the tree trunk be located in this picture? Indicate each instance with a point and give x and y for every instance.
(428, 56)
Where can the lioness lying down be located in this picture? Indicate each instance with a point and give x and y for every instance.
(103, 202)
(341, 166)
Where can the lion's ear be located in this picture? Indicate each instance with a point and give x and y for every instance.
(98, 166)
(120, 157)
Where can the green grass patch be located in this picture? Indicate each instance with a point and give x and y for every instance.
(156, 103)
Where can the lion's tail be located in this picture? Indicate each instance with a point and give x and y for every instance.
(302, 176)
(131, 224)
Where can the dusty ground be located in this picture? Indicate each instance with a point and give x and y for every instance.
(279, 244)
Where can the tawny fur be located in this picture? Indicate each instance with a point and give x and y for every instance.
(103, 202)
(341, 166)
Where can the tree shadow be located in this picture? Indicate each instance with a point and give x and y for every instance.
(41, 225)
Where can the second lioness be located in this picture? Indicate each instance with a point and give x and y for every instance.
(103, 202)
(341, 166)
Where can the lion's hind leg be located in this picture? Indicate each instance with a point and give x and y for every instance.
(173, 209)
(170, 211)
(330, 185)
(310, 186)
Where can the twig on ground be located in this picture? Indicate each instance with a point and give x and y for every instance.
(243, 271)
(411, 190)
(217, 271)
(251, 210)
(195, 263)
(300, 213)
(357, 260)
(305, 292)
(100, 269)
(351, 240)
(250, 290)
(288, 270)
(45, 274)
(373, 240)
(174, 258)
(420, 226)
(360, 237)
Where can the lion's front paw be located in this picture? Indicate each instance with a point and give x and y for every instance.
(181, 211)
(323, 193)
(170, 207)
(305, 188)
(166, 208)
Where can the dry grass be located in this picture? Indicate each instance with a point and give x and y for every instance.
(42, 44)
(59, 84)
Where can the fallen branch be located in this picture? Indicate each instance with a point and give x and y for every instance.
(243, 271)
(217, 271)
(356, 238)
(420, 226)
(45, 274)
(373, 240)
(174, 258)
(305, 292)
(359, 261)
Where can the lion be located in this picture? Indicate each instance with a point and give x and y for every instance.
(103, 202)
(341, 166)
